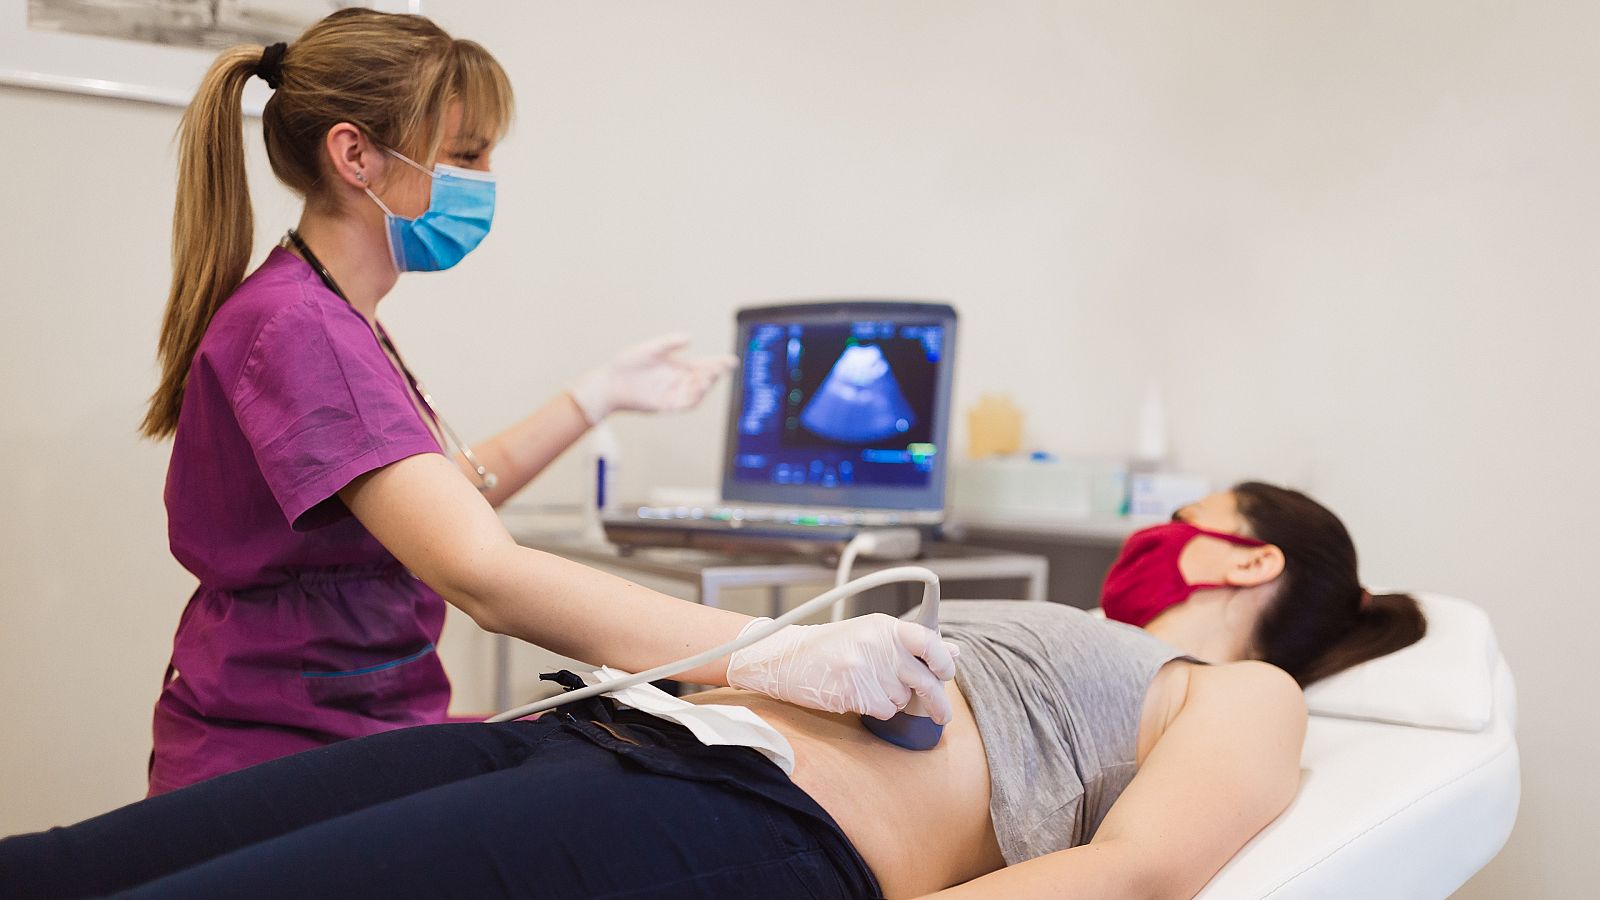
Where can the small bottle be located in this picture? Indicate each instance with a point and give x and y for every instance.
(1150, 446)
(1150, 450)
(601, 494)
(994, 427)
(605, 454)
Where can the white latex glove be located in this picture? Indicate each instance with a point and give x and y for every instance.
(870, 665)
(649, 377)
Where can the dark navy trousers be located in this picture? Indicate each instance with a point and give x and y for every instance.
(587, 801)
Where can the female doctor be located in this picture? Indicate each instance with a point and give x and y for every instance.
(310, 488)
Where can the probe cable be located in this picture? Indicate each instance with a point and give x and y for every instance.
(927, 615)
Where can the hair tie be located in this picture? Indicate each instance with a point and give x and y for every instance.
(1366, 600)
(270, 69)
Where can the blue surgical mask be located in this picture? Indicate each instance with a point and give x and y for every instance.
(460, 209)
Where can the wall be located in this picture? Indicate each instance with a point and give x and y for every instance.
(1353, 243)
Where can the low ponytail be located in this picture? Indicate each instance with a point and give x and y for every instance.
(1385, 623)
(212, 226)
(1321, 621)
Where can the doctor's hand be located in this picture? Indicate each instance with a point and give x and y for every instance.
(870, 665)
(649, 377)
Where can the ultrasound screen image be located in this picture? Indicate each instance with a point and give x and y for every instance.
(860, 401)
(839, 403)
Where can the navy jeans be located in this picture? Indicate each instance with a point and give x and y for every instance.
(587, 801)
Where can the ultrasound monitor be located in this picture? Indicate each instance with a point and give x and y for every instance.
(842, 404)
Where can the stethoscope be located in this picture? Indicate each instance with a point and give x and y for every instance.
(486, 479)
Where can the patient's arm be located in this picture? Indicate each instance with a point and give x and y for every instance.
(1224, 768)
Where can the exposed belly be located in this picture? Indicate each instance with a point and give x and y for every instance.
(920, 818)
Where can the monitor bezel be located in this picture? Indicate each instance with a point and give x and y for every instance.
(926, 498)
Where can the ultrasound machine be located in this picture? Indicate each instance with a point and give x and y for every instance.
(837, 424)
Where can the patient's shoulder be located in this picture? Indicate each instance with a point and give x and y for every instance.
(1248, 694)
(1216, 688)
(1247, 698)
(1248, 683)
(1261, 680)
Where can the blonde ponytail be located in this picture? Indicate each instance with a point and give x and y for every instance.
(392, 76)
(212, 226)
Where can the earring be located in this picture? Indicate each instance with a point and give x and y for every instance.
(361, 177)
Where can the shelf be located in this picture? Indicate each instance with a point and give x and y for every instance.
(1107, 530)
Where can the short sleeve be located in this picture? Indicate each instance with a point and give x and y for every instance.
(321, 404)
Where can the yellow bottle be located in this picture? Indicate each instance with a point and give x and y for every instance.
(994, 427)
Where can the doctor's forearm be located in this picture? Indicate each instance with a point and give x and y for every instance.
(518, 454)
(597, 617)
(431, 519)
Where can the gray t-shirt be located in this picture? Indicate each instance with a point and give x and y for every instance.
(1057, 694)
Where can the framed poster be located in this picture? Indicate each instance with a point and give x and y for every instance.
(151, 50)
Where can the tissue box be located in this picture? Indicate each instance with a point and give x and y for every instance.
(1160, 494)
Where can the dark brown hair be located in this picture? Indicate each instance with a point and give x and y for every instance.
(1320, 622)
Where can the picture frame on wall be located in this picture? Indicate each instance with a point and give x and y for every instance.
(149, 50)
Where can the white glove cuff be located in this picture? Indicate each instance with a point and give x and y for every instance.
(590, 393)
(733, 658)
(750, 625)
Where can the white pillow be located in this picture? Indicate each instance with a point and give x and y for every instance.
(1445, 680)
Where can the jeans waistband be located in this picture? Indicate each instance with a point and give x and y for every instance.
(668, 748)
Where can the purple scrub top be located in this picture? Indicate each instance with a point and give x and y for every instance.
(304, 629)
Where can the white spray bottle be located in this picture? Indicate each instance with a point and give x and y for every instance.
(1150, 446)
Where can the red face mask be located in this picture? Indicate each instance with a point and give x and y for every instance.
(1145, 580)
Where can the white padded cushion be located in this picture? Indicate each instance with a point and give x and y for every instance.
(1386, 812)
(1445, 680)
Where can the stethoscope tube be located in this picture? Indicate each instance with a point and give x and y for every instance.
(486, 479)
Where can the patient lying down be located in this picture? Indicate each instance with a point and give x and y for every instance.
(1086, 758)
